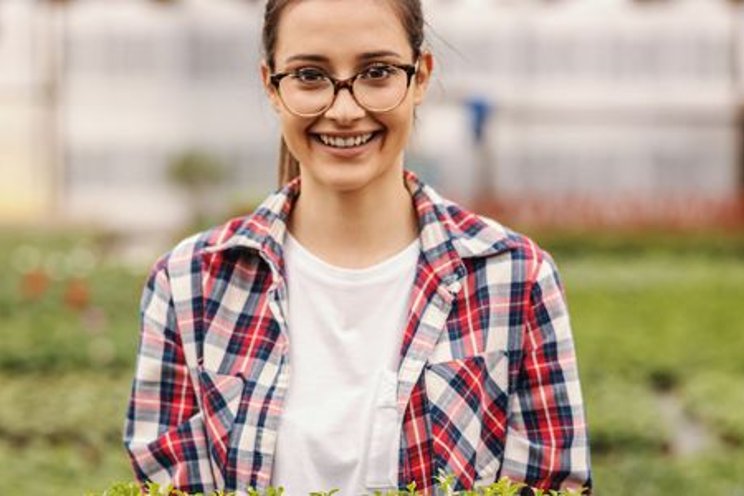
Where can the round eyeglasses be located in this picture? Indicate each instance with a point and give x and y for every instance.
(309, 92)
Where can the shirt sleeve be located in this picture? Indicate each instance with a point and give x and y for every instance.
(164, 431)
(547, 443)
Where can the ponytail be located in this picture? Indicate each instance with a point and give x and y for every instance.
(289, 167)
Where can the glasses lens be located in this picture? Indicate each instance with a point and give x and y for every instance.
(381, 88)
(306, 94)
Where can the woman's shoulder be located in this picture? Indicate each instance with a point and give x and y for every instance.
(503, 253)
(181, 257)
(478, 235)
(249, 230)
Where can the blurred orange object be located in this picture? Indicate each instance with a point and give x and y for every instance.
(34, 284)
(77, 294)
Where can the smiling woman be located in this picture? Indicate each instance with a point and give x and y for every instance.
(366, 43)
(357, 330)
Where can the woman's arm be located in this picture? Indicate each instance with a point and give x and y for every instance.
(547, 443)
(164, 431)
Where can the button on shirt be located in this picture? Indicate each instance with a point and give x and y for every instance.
(340, 427)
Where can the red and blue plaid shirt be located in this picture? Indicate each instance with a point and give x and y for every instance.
(487, 379)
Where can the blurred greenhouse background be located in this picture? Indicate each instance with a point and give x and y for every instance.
(608, 130)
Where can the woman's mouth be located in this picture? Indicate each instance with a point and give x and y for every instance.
(346, 141)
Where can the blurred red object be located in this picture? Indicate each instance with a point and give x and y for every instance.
(77, 294)
(34, 284)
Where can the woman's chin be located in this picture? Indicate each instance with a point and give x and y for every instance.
(342, 177)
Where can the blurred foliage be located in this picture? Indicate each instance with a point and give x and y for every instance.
(85, 409)
(194, 170)
(717, 399)
(661, 314)
(623, 243)
(643, 474)
(52, 468)
(45, 332)
(655, 317)
(199, 174)
(618, 424)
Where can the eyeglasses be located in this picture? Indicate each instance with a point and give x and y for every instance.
(309, 92)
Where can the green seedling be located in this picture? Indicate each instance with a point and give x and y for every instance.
(445, 482)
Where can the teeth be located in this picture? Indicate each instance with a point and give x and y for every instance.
(339, 142)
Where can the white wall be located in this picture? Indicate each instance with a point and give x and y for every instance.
(25, 188)
(590, 97)
(594, 98)
(144, 83)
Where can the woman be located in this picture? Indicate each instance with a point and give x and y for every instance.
(357, 330)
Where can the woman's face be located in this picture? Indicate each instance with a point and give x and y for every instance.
(342, 37)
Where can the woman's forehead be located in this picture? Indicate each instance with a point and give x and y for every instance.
(340, 29)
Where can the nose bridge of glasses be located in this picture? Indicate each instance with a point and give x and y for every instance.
(340, 84)
(347, 84)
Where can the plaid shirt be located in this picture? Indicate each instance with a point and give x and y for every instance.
(487, 379)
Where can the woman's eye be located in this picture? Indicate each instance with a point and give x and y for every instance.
(309, 76)
(378, 72)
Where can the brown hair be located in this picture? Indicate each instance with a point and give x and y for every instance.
(411, 17)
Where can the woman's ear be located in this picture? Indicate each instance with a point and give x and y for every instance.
(423, 76)
(268, 87)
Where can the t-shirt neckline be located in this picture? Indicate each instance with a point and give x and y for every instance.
(390, 267)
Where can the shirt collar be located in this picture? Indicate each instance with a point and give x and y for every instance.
(448, 232)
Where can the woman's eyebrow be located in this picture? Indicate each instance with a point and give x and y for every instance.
(378, 54)
(311, 57)
(307, 57)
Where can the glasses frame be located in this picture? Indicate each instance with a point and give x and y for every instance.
(348, 83)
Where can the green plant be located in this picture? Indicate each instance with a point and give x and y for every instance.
(199, 174)
(503, 487)
(278, 491)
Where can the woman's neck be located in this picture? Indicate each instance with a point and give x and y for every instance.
(355, 229)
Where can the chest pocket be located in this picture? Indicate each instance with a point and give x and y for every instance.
(467, 407)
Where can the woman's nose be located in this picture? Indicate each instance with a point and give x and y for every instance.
(344, 107)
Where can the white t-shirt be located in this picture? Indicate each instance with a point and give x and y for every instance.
(339, 427)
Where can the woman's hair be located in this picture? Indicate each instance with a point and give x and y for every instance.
(411, 17)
